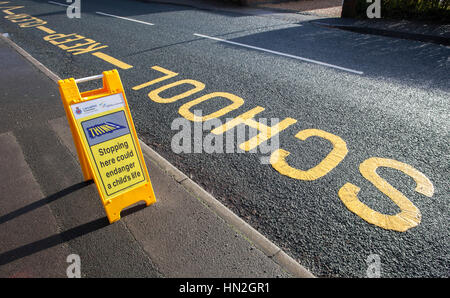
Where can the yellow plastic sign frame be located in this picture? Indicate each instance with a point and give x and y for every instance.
(98, 161)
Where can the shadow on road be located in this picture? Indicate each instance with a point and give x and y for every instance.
(412, 62)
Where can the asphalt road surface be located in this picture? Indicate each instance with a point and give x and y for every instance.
(356, 113)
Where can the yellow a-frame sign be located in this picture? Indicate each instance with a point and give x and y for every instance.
(106, 142)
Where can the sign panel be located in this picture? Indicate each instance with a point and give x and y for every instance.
(107, 144)
(111, 147)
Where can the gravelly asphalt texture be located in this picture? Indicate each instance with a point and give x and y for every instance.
(398, 109)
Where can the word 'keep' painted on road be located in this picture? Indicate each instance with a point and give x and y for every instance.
(74, 43)
(408, 217)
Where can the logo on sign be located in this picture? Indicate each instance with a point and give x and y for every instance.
(78, 111)
(103, 128)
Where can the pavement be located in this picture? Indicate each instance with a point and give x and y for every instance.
(323, 8)
(329, 12)
(404, 29)
(47, 211)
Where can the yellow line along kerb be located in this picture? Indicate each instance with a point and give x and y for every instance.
(112, 60)
(46, 30)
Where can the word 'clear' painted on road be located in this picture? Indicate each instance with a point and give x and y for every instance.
(24, 20)
(72, 43)
(409, 216)
(7, 9)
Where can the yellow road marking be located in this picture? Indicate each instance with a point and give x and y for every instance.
(45, 29)
(112, 60)
(247, 118)
(408, 217)
(236, 102)
(278, 157)
(8, 9)
(154, 94)
(168, 74)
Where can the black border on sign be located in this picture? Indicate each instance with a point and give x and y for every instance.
(95, 161)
